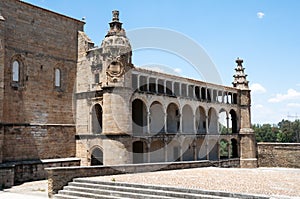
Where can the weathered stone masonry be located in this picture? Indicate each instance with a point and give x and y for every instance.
(36, 114)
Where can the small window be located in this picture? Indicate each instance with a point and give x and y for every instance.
(97, 78)
(57, 77)
(16, 71)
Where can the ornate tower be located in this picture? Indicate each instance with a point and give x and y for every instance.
(247, 137)
(116, 85)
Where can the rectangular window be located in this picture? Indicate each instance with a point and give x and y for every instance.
(97, 78)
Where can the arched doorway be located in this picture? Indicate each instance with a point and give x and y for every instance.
(172, 118)
(138, 149)
(187, 120)
(97, 119)
(157, 152)
(139, 117)
(157, 118)
(200, 120)
(97, 157)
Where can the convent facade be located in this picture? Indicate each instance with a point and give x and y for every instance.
(60, 97)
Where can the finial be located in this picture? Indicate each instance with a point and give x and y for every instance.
(115, 15)
(239, 61)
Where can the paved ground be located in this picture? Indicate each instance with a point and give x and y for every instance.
(30, 190)
(265, 181)
(269, 181)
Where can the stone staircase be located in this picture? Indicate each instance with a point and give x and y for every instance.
(84, 188)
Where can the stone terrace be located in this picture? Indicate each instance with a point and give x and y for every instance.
(278, 182)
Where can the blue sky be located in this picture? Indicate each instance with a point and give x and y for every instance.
(266, 34)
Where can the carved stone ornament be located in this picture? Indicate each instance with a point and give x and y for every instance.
(115, 69)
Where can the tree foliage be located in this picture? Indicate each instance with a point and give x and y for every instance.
(284, 131)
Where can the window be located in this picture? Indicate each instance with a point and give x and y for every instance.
(16, 71)
(57, 77)
(97, 78)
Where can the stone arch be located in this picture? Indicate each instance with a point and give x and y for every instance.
(201, 149)
(234, 122)
(188, 148)
(224, 149)
(173, 116)
(139, 117)
(174, 151)
(200, 116)
(223, 122)
(234, 148)
(187, 120)
(157, 118)
(97, 156)
(212, 121)
(17, 68)
(157, 151)
(138, 151)
(97, 119)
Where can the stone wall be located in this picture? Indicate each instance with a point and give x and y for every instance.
(38, 142)
(59, 177)
(17, 172)
(36, 116)
(279, 155)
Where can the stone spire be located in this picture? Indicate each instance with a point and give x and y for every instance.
(115, 25)
(240, 78)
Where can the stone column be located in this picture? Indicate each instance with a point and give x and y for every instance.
(247, 137)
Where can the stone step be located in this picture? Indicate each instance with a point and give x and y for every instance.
(171, 189)
(70, 194)
(61, 196)
(145, 190)
(118, 193)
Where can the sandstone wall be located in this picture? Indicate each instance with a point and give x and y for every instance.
(279, 155)
(37, 117)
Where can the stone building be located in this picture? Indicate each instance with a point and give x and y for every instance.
(126, 114)
(38, 60)
(62, 97)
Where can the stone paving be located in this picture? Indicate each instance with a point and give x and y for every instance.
(29, 190)
(265, 181)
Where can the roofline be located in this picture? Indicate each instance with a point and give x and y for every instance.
(50, 11)
(140, 69)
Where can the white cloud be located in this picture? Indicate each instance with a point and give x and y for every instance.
(260, 15)
(258, 106)
(290, 95)
(177, 70)
(294, 105)
(257, 88)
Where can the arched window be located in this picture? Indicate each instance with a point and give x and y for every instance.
(16, 71)
(57, 77)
